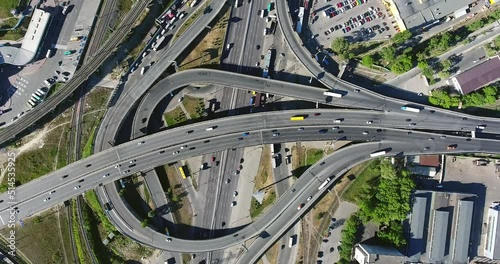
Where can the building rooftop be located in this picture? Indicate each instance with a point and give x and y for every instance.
(421, 12)
(492, 245)
(439, 235)
(478, 76)
(31, 42)
(462, 234)
(430, 160)
(440, 227)
(366, 253)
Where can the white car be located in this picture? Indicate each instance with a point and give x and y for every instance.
(369, 122)
(177, 152)
(309, 198)
(183, 147)
(51, 192)
(132, 161)
(77, 187)
(140, 143)
(168, 239)
(180, 99)
(365, 132)
(105, 175)
(235, 194)
(233, 203)
(46, 199)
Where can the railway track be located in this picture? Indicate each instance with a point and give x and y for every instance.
(71, 237)
(80, 77)
(74, 148)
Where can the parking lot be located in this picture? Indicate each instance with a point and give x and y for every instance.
(461, 175)
(358, 20)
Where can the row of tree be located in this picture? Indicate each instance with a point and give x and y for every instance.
(390, 204)
(400, 59)
(450, 99)
(350, 236)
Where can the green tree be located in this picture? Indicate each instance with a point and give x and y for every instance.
(401, 37)
(440, 98)
(388, 53)
(393, 234)
(446, 64)
(490, 90)
(340, 45)
(475, 26)
(423, 64)
(151, 213)
(367, 60)
(444, 74)
(428, 72)
(145, 222)
(402, 64)
(320, 215)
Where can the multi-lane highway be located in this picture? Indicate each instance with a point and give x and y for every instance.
(90, 172)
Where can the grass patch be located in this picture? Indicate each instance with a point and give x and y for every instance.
(361, 188)
(262, 180)
(120, 247)
(178, 194)
(15, 34)
(40, 161)
(147, 196)
(6, 6)
(124, 6)
(190, 21)
(62, 157)
(44, 228)
(80, 249)
(209, 50)
(93, 202)
(272, 252)
(54, 89)
(304, 158)
(175, 117)
(89, 145)
(194, 106)
(256, 208)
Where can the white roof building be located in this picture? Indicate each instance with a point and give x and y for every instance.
(31, 42)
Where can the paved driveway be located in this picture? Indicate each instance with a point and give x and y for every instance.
(343, 212)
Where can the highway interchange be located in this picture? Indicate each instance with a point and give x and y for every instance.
(153, 150)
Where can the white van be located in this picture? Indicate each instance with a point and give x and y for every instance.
(339, 120)
(142, 70)
(262, 13)
(46, 82)
(49, 52)
(193, 3)
(183, 14)
(163, 31)
(210, 128)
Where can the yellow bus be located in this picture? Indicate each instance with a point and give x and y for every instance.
(181, 169)
(296, 118)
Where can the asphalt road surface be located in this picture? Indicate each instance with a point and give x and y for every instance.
(147, 155)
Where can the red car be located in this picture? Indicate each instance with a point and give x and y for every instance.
(213, 159)
(339, 5)
(317, 114)
(300, 206)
